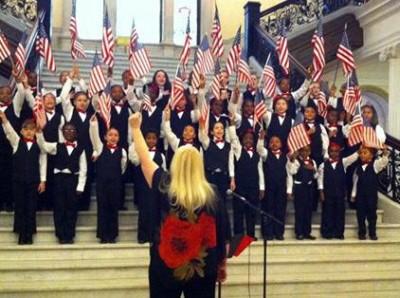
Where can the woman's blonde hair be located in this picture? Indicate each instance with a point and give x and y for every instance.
(188, 185)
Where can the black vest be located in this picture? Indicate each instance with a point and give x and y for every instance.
(26, 163)
(316, 143)
(65, 161)
(339, 138)
(215, 158)
(139, 180)
(50, 131)
(367, 183)
(153, 121)
(108, 165)
(246, 170)
(303, 175)
(245, 125)
(120, 122)
(82, 128)
(178, 124)
(334, 179)
(275, 170)
(281, 131)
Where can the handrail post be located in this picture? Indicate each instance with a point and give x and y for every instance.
(251, 19)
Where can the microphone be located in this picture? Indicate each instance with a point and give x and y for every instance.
(230, 192)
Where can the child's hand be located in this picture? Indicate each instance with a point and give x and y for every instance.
(221, 273)
(3, 117)
(167, 113)
(41, 120)
(235, 95)
(93, 119)
(232, 185)
(262, 134)
(321, 195)
(202, 83)
(385, 151)
(309, 72)
(311, 131)
(78, 193)
(353, 199)
(332, 91)
(290, 197)
(41, 187)
(135, 120)
(261, 194)
(294, 156)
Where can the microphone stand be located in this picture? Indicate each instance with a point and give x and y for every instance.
(265, 216)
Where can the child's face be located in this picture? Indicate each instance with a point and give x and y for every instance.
(5, 94)
(305, 152)
(82, 102)
(248, 108)
(334, 152)
(224, 78)
(342, 116)
(189, 133)
(151, 139)
(160, 78)
(69, 133)
(63, 77)
(32, 79)
(117, 94)
(181, 105)
(332, 117)
(281, 106)
(284, 85)
(275, 143)
(315, 89)
(218, 130)
(248, 140)
(127, 78)
(49, 102)
(216, 107)
(29, 131)
(112, 136)
(254, 81)
(367, 113)
(309, 113)
(365, 154)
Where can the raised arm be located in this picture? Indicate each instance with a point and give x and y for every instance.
(9, 131)
(132, 155)
(50, 148)
(299, 93)
(82, 173)
(124, 161)
(66, 104)
(95, 136)
(261, 150)
(235, 143)
(172, 139)
(349, 160)
(147, 164)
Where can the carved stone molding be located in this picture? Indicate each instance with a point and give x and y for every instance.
(389, 52)
(21, 9)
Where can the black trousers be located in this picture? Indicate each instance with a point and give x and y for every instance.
(303, 204)
(45, 201)
(366, 210)
(25, 195)
(333, 214)
(108, 194)
(6, 195)
(146, 219)
(65, 205)
(195, 288)
(242, 212)
(84, 200)
(274, 203)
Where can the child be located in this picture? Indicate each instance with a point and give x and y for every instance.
(69, 179)
(152, 112)
(365, 189)
(334, 129)
(251, 89)
(110, 165)
(247, 180)
(142, 190)
(316, 98)
(275, 198)
(79, 116)
(292, 97)
(29, 176)
(332, 187)
(304, 171)
(370, 118)
(217, 113)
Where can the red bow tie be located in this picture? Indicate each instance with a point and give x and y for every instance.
(112, 146)
(26, 140)
(332, 125)
(250, 149)
(71, 144)
(282, 115)
(307, 161)
(332, 160)
(188, 142)
(5, 104)
(285, 94)
(365, 162)
(276, 152)
(119, 104)
(154, 149)
(178, 110)
(80, 111)
(218, 141)
(310, 122)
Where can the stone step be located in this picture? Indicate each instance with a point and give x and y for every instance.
(130, 217)
(128, 234)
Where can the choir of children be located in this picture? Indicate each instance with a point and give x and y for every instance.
(69, 146)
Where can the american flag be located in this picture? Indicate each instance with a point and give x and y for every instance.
(20, 54)
(43, 48)
(177, 89)
(297, 138)
(321, 104)
(268, 76)
(204, 107)
(146, 103)
(370, 139)
(139, 64)
(259, 109)
(352, 95)
(216, 34)
(282, 50)
(234, 54)
(196, 72)
(345, 55)
(243, 72)
(184, 58)
(97, 80)
(77, 49)
(105, 105)
(38, 108)
(205, 58)
(356, 132)
(133, 39)
(107, 44)
(4, 50)
(318, 45)
(215, 84)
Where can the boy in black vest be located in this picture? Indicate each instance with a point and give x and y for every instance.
(292, 97)
(334, 129)
(69, 180)
(275, 198)
(365, 189)
(332, 187)
(110, 164)
(247, 180)
(304, 171)
(142, 190)
(29, 176)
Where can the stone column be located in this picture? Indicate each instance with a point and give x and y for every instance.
(390, 54)
(168, 22)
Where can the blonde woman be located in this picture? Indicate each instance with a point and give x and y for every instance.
(188, 251)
